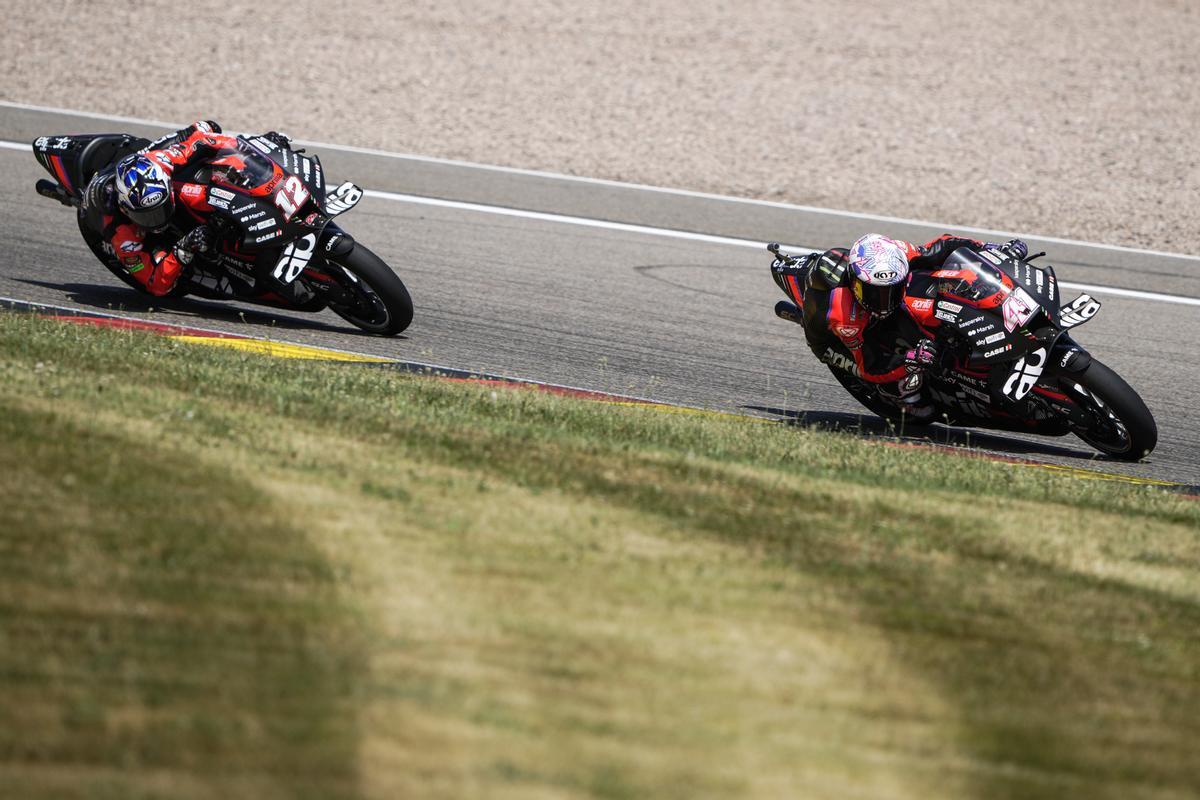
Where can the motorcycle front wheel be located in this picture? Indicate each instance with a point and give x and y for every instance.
(379, 303)
(1124, 428)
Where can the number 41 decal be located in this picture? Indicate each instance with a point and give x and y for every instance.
(291, 196)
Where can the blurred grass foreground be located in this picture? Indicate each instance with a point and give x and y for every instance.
(227, 576)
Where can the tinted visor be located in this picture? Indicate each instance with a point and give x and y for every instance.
(154, 217)
(880, 300)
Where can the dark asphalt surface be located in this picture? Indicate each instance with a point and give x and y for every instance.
(662, 318)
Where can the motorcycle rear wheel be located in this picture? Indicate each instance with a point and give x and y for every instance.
(383, 305)
(869, 396)
(110, 262)
(1126, 430)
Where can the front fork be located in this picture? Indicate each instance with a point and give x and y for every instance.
(1065, 363)
(327, 277)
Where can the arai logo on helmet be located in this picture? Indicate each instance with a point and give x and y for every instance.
(152, 196)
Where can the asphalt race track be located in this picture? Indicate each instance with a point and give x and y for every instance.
(681, 314)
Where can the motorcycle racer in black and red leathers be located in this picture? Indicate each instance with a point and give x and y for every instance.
(132, 205)
(847, 301)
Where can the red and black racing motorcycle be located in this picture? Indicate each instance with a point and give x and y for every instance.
(273, 217)
(1009, 362)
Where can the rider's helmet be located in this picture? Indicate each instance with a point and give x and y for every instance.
(878, 273)
(144, 192)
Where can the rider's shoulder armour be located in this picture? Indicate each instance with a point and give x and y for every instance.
(828, 270)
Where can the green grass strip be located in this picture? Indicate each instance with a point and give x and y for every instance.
(223, 575)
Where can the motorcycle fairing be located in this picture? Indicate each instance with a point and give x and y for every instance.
(73, 160)
(342, 199)
(1078, 311)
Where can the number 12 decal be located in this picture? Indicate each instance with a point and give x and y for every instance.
(291, 196)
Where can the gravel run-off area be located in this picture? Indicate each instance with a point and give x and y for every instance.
(1070, 118)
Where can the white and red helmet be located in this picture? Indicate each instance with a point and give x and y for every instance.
(878, 273)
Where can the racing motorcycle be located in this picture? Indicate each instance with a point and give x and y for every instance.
(273, 217)
(1008, 359)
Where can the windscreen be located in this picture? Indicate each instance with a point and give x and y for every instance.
(989, 279)
(243, 168)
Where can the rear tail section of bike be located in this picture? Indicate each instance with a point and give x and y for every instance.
(73, 160)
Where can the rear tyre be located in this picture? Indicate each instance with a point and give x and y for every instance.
(381, 303)
(109, 261)
(869, 396)
(1125, 428)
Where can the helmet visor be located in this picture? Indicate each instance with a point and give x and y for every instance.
(155, 217)
(879, 300)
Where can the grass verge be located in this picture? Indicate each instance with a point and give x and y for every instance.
(231, 576)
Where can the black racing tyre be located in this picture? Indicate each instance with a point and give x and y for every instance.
(382, 305)
(868, 395)
(109, 261)
(1126, 430)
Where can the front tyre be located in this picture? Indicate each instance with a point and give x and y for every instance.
(1124, 428)
(379, 303)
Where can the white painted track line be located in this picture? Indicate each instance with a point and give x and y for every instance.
(704, 237)
(693, 236)
(631, 186)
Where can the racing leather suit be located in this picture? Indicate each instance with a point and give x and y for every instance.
(839, 330)
(150, 256)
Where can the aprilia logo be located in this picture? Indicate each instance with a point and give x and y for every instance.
(295, 258)
(1025, 374)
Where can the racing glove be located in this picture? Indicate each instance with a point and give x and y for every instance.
(281, 139)
(924, 356)
(1013, 247)
(1016, 248)
(198, 240)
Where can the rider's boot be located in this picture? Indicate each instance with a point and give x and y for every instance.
(913, 401)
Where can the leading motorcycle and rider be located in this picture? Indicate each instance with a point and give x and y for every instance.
(242, 218)
(132, 204)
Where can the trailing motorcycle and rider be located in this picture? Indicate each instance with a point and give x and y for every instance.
(961, 332)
